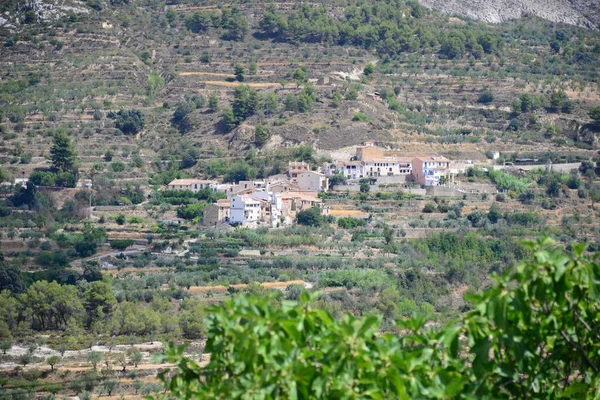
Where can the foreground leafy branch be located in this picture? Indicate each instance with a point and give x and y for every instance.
(534, 334)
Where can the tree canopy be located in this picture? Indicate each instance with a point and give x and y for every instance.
(310, 217)
(382, 27)
(62, 153)
(181, 117)
(10, 277)
(129, 121)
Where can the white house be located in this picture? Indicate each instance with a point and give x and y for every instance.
(431, 171)
(386, 167)
(271, 206)
(244, 209)
(256, 207)
(312, 181)
(194, 185)
(377, 161)
(351, 169)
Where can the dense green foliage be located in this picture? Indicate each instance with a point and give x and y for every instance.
(129, 121)
(93, 306)
(51, 178)
(261, 135)
(310, 217)
(535, 339)
(181, 117)
(179, 197)
(62, 153)
(120, 244)
(384, 27)
(595, 114)
(64, 164)
(240, 171)
(231, 22)
(10, 277)
(245, 103)
(192, 211)
(350, 223)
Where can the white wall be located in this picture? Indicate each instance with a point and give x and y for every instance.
(244, 210)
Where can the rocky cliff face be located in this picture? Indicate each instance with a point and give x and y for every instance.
(585, 13)
(45, 11)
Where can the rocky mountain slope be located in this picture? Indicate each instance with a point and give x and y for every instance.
(585, 13)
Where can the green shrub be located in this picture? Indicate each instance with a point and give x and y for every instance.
(129, 121)
(192, 211)
(310, 217)
(117, 166)
(360, 116)
(350, 223)
(486, 97)
(429, 208)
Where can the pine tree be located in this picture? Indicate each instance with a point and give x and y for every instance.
(213, 102)
(63, 154)
(261, 135)
(239, 72)
(228, 118)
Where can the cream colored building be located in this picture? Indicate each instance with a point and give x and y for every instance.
(193, 185)
(298, 201)
(295, 168)
(217, 213)
(312, 181)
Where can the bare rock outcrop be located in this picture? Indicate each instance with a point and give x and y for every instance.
(585, 13)
(45, 11)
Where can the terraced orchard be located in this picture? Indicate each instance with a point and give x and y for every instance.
(103, 103)
(423, 94)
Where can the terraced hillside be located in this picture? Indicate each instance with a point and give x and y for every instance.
(72, 73)
(104, 102)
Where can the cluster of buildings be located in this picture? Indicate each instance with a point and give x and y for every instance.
(372, 161)
(276, 200)
(269, 202)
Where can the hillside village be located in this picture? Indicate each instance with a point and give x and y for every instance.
(169, 168)
(275, 201)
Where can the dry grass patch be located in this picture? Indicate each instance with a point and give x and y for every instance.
(197, 290)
